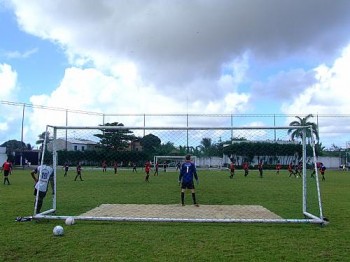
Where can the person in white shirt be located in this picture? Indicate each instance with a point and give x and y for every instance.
(41, 183)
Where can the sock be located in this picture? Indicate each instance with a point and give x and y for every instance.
(194, 198)
(183, 198)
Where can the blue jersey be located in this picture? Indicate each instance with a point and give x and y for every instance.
(187, 172)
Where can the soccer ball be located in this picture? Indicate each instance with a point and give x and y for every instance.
(58, 231)
(70, 221)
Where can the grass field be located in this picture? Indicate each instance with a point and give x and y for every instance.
(151, 241)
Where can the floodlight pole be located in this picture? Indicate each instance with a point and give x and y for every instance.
(21, 157)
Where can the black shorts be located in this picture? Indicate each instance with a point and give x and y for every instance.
(187, 185)
(6, 173)
(41, 193)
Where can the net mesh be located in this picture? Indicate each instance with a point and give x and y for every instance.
(113, 160)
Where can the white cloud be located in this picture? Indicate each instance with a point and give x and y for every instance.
(20, 55)
(191, 57)
(8, 81)
(173, 44)
(10, 115)
(327, 97)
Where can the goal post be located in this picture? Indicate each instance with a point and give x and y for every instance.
(114, 157)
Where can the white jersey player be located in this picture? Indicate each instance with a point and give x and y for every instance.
(44, 176)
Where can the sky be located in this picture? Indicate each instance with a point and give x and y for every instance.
(244, 57)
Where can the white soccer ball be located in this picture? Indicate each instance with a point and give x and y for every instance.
(58, 231)
(70, 221)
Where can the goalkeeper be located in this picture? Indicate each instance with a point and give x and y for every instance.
(187, 172)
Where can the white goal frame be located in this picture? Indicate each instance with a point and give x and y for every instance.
(308, 217)
(180, 159)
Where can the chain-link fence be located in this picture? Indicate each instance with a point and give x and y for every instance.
(25, 122)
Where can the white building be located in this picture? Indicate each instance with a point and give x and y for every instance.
(3, 156)
(72, 144)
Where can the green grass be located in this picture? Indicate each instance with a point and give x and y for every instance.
(134, 241)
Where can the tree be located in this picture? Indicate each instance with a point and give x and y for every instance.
(297, 133)
(206, 146)
(42, 137)
(150, 143)
(29, 146)
(13, 145)
(167, 149)
(116, 139)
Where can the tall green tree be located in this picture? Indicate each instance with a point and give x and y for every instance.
(114, 138)
(167, 149)
(206, 146)
(303, 121)
(42, 137)
(13, 145)
(150, 144)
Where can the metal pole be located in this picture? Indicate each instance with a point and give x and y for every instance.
(231, 126)
(187, 134)
(274, 124)
(66, 130)
(21, 158)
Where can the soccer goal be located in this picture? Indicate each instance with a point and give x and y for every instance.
(113, 188)
(171, 162)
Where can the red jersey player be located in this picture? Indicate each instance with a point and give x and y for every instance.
(147, 170)
(232, 169)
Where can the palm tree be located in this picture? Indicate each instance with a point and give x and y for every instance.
(297, 133)
(206, 146)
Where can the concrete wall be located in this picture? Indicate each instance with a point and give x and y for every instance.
(3, 156)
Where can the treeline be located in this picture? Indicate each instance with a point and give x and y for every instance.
(275, 151)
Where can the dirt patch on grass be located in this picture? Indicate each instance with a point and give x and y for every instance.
(182, 212)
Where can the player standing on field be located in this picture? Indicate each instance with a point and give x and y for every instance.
(78, 173)
(187, 172)
(147, 170)
(246, 168)
(104, 166)
(156, 166)
(66, 167)
(44, 174)
(165, 165)
(134, 167)
(260, 168)
(232, 169)
(178, 165)
(278, 168)
(6, 168)
(115, 165)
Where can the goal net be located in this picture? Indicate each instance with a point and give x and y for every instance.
(275, 179)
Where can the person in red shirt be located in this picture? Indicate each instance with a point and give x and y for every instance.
(104, 166)
(7, 168)
(232, 169)
(156, 169)
(290, 170)
(278, 168)
(260, 168)
(147, 170)
(78, 173)
(246, 168)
